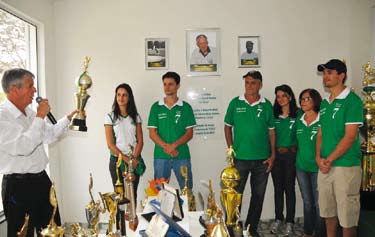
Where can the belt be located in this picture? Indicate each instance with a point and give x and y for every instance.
(25, 176)
(283, 150)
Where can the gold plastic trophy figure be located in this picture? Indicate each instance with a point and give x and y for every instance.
(77, 231)
(83, 83)
(52, 230)
(209, 218)
(220, 229)
(186, 191)
(110, 202)
(119, 189)
(230, 198)
(368, 147)
(93, 210)
(129, 191)
(23, 230)
(237, 230)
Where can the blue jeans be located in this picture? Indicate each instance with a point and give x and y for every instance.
(163, 169)
(258, 184)
(308, 184)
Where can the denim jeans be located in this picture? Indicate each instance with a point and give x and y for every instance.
(284, 181)
(258, 184)
(163, 169)
(308, 184)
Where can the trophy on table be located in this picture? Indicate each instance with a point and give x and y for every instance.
(129, 192)
(220, 229)
(230, 198)
(237, 229)
(23, 230)
(52, 230)
(186, 191)
(93, 210)
(83, 83)
(119, 189)
(110, 203)
(76, 230)
(208, 220)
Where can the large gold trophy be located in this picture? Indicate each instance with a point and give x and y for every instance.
(129, 192)
(230, 198)
(186, 191)
(83, 83)
(93, 210)
(52, 230)
(110, 201)
(368, 147)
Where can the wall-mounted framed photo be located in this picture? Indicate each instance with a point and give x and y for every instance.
(156, 54)
(203, 52)
(249, 51)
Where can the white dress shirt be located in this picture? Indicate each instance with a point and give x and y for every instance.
(22, 138)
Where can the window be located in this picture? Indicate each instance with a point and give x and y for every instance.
(17, 49)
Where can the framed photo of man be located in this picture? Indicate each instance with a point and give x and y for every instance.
(249, 51)
(156, 54)
(203, 51)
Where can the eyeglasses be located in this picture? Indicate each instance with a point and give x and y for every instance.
(306, 99)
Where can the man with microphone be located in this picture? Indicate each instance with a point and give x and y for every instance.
(26, 185)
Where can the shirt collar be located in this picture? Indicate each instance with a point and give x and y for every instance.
(14, 110)
(342, 95)
(304, 122)
(261, 100)
(208, 51)
(179, 103)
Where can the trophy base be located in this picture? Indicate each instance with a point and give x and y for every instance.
(133, 224)
(78, 125)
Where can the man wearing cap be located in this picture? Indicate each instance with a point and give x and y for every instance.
(250, 117)
(338, 151)
(204, 54)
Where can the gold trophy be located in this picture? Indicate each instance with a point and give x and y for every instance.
(122, 202)
(23, 230)
(237, 229)
(83, 82)
(93, 210)
(368, 130)
(77, 231)
(209, 217)
(230, 198)
(110, 203)
(220, 229)
(186, 191)
(129, 192)
(52, 230)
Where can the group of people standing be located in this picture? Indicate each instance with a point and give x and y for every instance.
(318, 143)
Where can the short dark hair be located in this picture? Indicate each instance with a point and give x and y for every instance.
(254, 74)
(315, 96)
(173, 75)
(14, 77)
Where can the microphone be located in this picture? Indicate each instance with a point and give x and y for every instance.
(49, 115)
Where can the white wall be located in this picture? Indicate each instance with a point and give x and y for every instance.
(295, 37)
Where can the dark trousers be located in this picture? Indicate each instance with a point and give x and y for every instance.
(258, 184)
(284, 179)
(27, 193)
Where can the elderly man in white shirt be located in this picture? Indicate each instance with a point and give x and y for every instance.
(204, 54)
(25, 187)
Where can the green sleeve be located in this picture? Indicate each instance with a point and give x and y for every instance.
(153, 116)
(228, 119)
(190, 117)
(354, 111)
(271, 117)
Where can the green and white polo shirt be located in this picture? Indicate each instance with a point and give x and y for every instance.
(346, 108)
(306, 141)
(124, 131)
(171, 124)
(251, 124)
(285, 131)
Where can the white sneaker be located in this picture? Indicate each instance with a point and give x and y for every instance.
(275, 227)
(289, 229)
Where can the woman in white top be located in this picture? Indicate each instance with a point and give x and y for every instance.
(123, 127)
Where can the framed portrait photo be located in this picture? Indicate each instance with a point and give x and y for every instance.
(156, 54)
(249, 51)
(203, 52)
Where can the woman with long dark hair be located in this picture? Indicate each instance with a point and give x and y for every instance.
(284, 169)
(123, 127)
(307, 169)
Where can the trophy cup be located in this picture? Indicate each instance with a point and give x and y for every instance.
(52, 230)
(83, 82)
(129, 192)
(110, 203)
(93, 210)
(23, 230)
(230, 198)
(208, 219)
(186, 191)
(220, 230)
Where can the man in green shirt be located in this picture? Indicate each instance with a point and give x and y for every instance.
(338, 151)
(170, 125)
(250, 117)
